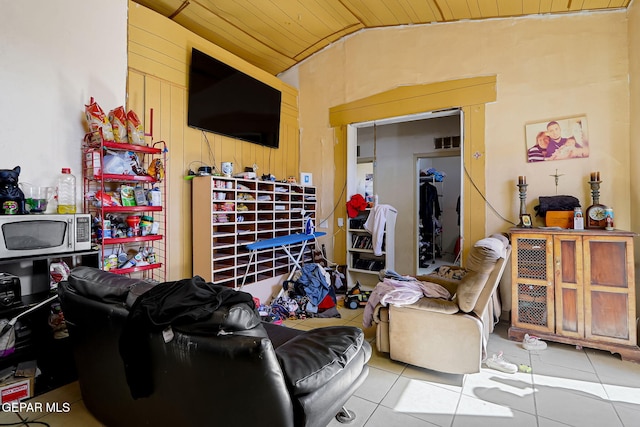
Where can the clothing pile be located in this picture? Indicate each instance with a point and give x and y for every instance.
(355, 205)
(450, 272)
(185, 305)
(555, 203)
(400, 290)
(436, 174)
(308, 294)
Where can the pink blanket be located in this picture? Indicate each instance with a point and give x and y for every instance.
(400, 292)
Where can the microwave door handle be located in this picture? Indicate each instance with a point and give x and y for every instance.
(70, 234)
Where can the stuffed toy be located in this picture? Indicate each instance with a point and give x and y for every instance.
(11, 196)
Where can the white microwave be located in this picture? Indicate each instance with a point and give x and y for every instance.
(33, 235)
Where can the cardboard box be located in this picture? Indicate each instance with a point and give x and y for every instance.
(92, 162)
(16, 389)
(19, 386)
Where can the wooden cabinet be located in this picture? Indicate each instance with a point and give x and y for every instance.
(229, 213)
(575, 287)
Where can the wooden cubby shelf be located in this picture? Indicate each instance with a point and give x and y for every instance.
(229, 213)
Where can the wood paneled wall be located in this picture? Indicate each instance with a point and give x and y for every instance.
(159, 53)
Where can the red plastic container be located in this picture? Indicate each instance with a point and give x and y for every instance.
(134, 222)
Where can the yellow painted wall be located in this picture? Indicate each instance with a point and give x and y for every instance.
(546, 67)
(159, 54)
(634, 125)
(634, 92)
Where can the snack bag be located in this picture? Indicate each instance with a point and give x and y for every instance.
(134, 164)
(98, 121)
(127, 195)
(59, 271)
(156, 170)
(118, 120)
(104, 199)
(135, 128)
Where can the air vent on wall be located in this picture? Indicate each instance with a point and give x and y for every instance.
(446, 142)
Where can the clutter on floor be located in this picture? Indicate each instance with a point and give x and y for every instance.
(310, 292)
(533, 343)
(356, 297)
(524, 368)
(498, 363)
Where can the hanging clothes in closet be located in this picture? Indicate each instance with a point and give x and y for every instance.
(429, 206)
(429, 214)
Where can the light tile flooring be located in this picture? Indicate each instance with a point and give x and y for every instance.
(567, 387)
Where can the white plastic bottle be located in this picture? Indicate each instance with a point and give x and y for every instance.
(66, 192)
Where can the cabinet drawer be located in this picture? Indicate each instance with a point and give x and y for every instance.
(532, 307)
(531, 258)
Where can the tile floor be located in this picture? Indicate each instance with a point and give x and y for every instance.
(567, 387)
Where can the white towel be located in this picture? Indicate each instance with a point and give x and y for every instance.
(375, 225)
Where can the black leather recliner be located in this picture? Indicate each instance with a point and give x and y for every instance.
(250, 373)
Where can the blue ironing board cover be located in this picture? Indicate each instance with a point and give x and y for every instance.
(283, 240)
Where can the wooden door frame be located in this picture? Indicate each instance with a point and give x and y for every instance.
(470, 95)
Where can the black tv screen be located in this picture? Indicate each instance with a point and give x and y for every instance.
(226, 101)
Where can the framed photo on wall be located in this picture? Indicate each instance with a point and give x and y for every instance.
(557, 139)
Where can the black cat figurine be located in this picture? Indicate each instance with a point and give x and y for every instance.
(11, 196)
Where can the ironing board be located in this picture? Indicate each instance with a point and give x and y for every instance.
(282, 241)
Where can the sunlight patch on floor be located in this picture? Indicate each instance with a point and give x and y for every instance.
(610, 392)
(421, 397)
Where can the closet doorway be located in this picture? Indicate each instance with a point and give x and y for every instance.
(393, 148)
(439, 231)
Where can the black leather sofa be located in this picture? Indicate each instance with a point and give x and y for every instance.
(250, 373)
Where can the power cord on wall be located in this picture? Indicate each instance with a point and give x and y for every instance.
(484, 198)
(315, 240)
(344, 187)
(212, 156)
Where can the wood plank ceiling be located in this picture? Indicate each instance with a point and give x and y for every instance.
(276, 34)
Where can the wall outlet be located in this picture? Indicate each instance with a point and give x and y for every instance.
(340, 222)
(323, 224)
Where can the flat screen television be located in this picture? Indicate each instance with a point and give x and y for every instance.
(226, 101)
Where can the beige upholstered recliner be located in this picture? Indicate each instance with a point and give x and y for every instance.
(448, 336)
